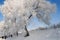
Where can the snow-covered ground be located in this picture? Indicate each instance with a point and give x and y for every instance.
(48, 34)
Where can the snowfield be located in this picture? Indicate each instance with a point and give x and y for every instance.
(37, 34)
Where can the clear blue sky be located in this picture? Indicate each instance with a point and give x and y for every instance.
(55, 17)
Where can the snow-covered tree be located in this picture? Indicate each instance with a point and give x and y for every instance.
(17, 13)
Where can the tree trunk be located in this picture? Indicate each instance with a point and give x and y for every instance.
(27, 33)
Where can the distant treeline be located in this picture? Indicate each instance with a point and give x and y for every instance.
(55, 26)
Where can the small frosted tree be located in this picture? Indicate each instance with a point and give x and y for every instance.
(17, 13)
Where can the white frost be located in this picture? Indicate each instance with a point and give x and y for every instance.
(17, 12)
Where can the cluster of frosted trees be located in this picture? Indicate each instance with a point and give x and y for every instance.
(17, 14)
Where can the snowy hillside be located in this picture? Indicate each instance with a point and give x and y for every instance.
(48, 34)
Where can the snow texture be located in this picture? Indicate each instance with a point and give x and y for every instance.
(37, 34)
